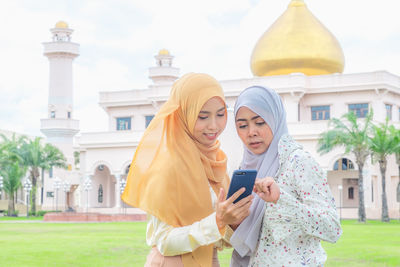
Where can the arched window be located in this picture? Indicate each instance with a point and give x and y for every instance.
(343, 164)
(351, 192)
(336, 165)
(100, 194)
(127, 169)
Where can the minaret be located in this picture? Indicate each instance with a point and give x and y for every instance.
(163, 72)
(59, 127)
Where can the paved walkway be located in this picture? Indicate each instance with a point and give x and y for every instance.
(21, 221)
(132, 215)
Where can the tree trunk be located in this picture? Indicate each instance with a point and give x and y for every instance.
(34, 175)
(398, 189)
(361, 205)
(11, 205)
(398, 164)
(42, 187)
(385, 214)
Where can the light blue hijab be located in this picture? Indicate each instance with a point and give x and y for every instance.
(268, 105)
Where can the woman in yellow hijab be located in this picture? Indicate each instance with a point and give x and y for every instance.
(178, 171)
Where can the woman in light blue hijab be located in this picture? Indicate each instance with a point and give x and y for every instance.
(286, 231)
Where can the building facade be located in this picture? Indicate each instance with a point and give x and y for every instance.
(306, 72)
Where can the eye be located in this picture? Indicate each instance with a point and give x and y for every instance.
(260, 123)
(242, 126)
(202, 117)
(221, 115)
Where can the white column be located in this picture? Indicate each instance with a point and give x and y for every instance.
(107, 192)
(291, 103)
(367, 183)
(117, 192)
(379, 109)
(88, 193)
(379, 106)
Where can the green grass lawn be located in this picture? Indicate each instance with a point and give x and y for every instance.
(123, 244)
(371, 244)
(30, 218)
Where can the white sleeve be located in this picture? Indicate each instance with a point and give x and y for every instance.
(172, 241)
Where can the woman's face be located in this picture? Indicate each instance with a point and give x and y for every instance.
(210, 122)
(253, 130)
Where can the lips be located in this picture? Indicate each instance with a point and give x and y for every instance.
(211, 136)
(255, 144)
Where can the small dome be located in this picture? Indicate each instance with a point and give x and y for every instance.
(163, 52)
(62, 24)
(297, 42)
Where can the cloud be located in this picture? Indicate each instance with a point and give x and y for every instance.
(118, 41)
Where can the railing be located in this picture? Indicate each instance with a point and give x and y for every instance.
(111, 138)
(59, 124)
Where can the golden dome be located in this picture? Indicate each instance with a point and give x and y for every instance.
(62, 24)
(297, 42)
(163, 52)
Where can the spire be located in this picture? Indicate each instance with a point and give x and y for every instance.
(163, 72)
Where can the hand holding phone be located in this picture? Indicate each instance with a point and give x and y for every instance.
(228, 213)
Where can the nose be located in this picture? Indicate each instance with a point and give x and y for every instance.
(252, 131)
(213, 124)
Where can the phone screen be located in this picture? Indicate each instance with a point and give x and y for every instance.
(242, 178)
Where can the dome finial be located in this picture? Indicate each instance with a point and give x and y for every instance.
(163, 52)
(297, 3)
(61, 25)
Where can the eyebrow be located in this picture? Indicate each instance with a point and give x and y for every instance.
(208, 112)
(254, 118)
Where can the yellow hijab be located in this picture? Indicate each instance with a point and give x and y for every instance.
(171, 172)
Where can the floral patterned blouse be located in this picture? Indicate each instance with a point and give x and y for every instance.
(305, 213)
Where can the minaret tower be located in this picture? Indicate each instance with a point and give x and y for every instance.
(59, 127)
(163, 73)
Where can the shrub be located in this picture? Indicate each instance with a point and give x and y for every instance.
(31, 213)
(41, 212)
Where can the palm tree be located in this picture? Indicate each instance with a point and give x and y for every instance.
(12, 145)
(396, 134)
(382, 144)
(31, 153)
(36, 156)
(352, 134)
(11, 167)
(12, 174)
(52, 157)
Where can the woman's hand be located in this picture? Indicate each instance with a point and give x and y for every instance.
(229, 213)
(267, 189)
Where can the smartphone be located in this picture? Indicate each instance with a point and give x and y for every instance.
(242, 178)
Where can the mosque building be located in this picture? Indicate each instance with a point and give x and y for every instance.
(297, 56)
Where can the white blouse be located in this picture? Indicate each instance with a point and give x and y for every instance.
(305, 213)
(172, 241)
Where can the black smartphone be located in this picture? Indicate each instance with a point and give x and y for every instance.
(242, 178)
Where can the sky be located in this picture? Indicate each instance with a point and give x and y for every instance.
(119, 39)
